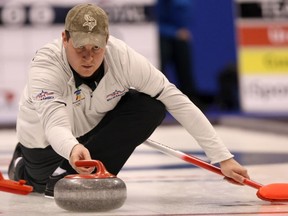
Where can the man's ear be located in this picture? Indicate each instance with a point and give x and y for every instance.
(64, 39)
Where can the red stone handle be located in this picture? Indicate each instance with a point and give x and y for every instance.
(101, 170)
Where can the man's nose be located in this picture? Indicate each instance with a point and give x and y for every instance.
(88, 54)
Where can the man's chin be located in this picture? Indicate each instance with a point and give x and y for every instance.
(86, 74)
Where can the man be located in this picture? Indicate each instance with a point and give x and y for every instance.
(91, 96)
(175, 42)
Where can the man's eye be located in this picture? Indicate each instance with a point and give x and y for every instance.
(79, 49)
(96, 48)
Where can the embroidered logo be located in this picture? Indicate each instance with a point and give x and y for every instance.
(115, 94)
(90, 22)
(44, 95)
(78, 95)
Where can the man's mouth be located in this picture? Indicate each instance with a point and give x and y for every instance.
(87, 66)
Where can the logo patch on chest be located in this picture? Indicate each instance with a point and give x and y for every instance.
(78, 95)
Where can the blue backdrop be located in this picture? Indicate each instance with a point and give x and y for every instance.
(214, 44)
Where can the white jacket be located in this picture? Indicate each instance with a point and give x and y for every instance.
(53, 112)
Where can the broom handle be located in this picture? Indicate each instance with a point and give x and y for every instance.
(196, 161)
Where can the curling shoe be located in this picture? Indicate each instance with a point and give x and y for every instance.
(49, 190)
(16, 166)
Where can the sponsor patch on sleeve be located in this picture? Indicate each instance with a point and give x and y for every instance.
(115, 94)
(45, 95)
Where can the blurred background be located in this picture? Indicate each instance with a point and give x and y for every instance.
(239, 56)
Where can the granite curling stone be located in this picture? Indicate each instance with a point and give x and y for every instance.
(97, 192)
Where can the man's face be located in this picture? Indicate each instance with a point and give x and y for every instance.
(84, 60)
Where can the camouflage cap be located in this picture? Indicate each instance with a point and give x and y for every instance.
(87, 24)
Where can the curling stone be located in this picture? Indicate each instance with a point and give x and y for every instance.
(97, 192)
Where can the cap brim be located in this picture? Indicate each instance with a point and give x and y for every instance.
(84, 38)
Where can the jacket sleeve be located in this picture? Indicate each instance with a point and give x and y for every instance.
(46, 92)
(173, 15)
(147, 79)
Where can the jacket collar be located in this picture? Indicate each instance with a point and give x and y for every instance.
(91, 81)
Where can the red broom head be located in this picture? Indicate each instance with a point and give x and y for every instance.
(274, 192)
